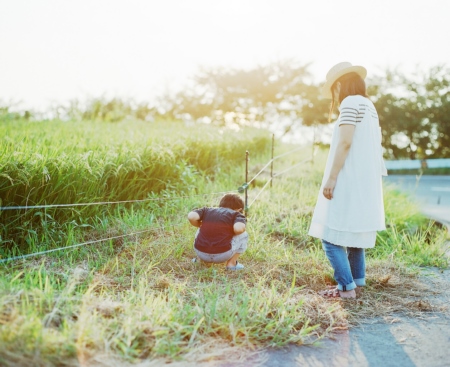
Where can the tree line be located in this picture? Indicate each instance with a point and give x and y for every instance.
(414, 111)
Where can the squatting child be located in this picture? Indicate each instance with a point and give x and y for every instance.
(221, 235)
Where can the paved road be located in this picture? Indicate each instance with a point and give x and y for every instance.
(431, 192)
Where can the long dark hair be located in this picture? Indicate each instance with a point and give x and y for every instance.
(351, 85)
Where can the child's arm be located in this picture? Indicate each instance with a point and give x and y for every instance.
(239, 227)
(194, 219)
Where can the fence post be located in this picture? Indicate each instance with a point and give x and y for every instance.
(313, 144)
(271, 165)
(246, 180)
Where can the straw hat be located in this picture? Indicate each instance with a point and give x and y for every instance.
(336, 72)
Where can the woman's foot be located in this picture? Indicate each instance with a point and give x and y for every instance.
(336, 293)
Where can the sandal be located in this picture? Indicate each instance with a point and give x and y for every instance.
(336, 293)
(330, 293)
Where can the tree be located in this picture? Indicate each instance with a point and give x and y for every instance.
(437, 111)
(414, 111)
(279, 96)
(414, 114)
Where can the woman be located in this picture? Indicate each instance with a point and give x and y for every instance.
(349, 209)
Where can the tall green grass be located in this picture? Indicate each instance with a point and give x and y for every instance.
(410, 236)
(63, 163)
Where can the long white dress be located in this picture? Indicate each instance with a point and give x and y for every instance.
(356, 212)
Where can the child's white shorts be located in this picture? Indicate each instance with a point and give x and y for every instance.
(238, 245)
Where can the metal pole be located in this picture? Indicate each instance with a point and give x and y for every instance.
(271, 165)
(313, 143)
(246, 180)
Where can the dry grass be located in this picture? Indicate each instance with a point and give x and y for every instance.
(115, 304)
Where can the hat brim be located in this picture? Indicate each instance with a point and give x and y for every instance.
(326, 88)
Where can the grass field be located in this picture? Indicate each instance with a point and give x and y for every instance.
(140, 297)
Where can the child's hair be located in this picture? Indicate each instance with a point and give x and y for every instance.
(231, 201)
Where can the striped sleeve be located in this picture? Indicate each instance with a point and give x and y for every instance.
(348, 112)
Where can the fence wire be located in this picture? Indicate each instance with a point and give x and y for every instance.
(276, 175)
(291, 167)
(44, 206)
(19, 257)
(2, 261)
(260, 191)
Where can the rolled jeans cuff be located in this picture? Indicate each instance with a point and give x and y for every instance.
(347, 287)
(360, 282)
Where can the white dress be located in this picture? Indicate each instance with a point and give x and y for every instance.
(356, 212)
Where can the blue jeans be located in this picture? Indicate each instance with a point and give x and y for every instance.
(349, 264)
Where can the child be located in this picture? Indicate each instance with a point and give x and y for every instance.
(221, 236)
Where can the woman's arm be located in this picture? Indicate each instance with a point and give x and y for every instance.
(345, 142)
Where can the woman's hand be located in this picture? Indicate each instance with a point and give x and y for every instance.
(328, 189)
(345, 142)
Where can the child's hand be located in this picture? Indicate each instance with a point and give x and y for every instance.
(194, 219)
(239, 227)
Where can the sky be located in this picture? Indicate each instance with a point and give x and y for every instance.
(53, 51)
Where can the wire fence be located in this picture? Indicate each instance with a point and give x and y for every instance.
(292, 167)
(242, 188)
(29, 207)
(20, 257)
(269, 181)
